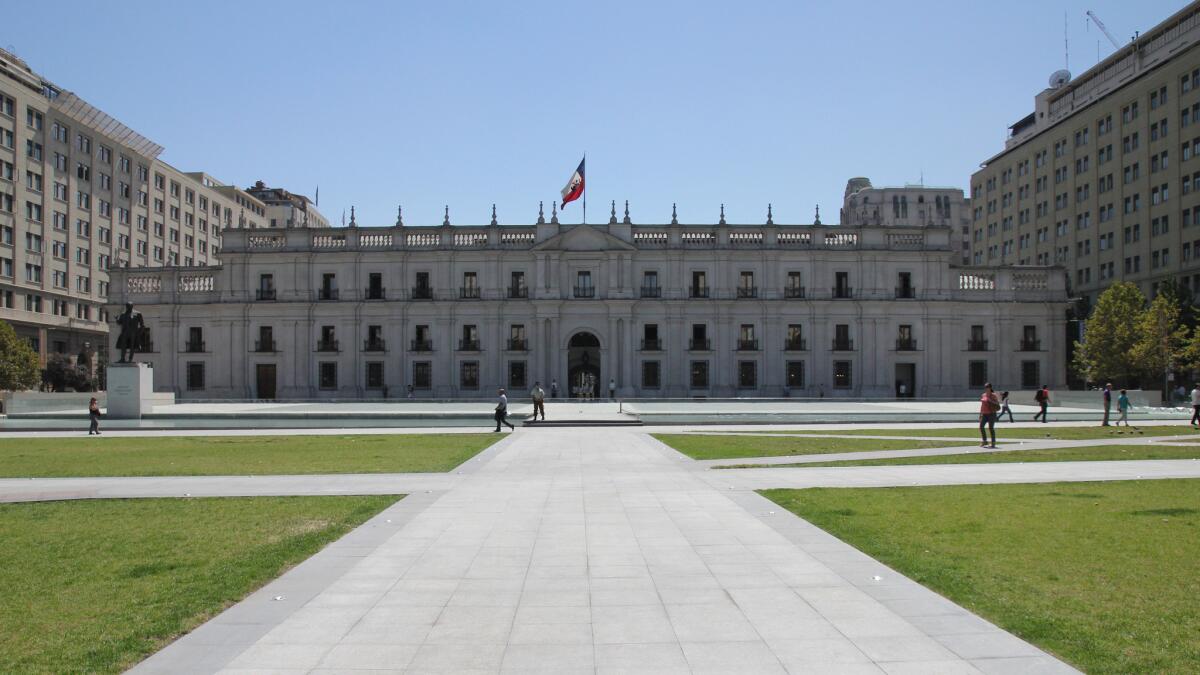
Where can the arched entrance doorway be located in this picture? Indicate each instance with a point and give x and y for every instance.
(583, 365)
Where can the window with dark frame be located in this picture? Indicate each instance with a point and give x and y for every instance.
(651, 374)
(468, 375)
(195, 376)
(422, 375)
(843, 375)
(374, 375)
(328, 375)
(794, 375)
(518, 377)
(698, 378)
(1031, 375)
(977, 372)
(747, 374)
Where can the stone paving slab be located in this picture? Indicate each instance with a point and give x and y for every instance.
(597, 552)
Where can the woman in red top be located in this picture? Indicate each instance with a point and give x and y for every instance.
(989, 405)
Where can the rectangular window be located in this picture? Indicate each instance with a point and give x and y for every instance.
(328, 375)
(747, 374)
(195, 376)
(1030, 375)
(468, 377)
(699, 375)
(517, 375)
(651, 374)
(977, 372)
(794, 375)
(842, 375)
(422, 375)
(374, 375)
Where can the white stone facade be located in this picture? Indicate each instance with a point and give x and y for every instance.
(723, 310)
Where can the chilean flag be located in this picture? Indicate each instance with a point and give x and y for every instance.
(574, 187)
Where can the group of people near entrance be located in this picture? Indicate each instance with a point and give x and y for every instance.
(993, 408)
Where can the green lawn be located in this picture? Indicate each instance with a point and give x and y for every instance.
(721, 446)
(97, 585)
(1005, 432)
(1087, 453)
(237, 455)
(1104, 575)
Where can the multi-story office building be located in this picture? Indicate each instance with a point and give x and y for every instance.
(286, 209)
(661, 310)
(1103, 177)
(80, 194)
(911, 205)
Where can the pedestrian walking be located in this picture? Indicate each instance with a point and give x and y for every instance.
(1107, 402)
(502, 411)
(553, 388)
(1123, 407)
(1004, 407)
(539, 400)
(1043, 400)
(612, 388)
(410, 391)
(989, 405)
(94, 415)
(1196, 405)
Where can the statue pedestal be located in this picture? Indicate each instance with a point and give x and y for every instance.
(130, 386)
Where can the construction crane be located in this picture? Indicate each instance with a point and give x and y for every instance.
(1103, 29)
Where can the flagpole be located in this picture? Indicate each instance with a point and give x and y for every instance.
(585, 188)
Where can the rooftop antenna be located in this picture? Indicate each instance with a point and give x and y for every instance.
(1066, 45)
(1103, 29)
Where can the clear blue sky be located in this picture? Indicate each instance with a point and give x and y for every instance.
(466, 104)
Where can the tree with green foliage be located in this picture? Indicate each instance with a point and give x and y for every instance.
(1183, 298)
(18, 361)
(1161, 339)
(1110, 334)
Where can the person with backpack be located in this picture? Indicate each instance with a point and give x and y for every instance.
(1043, 400)
(1123, 407)
(1107, 402)
(989, 405)
(1004, 407)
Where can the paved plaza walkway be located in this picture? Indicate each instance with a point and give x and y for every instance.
(593, 551)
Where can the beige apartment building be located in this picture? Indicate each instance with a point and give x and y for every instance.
(1103, 176)
(80, 194)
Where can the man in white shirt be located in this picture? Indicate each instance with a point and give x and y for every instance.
(539, 400)
(1196, 405)
(501, 411)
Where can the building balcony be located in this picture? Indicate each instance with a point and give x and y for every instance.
(747, 345)
(518, 292)
(906, 345)
(793, 292)
(843, 345)
(264, 346)
(376, 345)
(795, 345)
(698, 291)
(906, 293)
(421, 346)
(518, 345)
(327, 346)
(469, 293)
(375, 294)
(747, 292)
(652, 345)
(1030, 346)
(194, 347)
(651, 291)
(327, 294)
(264, 294)
(585, 291)
(842, 293)
(468, 346)
(977, 345)
(700, 344)
(421, 293)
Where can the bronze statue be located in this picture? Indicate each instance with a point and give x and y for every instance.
(131, 337)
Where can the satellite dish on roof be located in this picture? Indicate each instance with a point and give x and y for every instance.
(1059, 77)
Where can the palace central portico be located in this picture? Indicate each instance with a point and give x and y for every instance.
(668, 310)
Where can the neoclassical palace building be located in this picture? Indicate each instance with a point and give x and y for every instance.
(670, 310)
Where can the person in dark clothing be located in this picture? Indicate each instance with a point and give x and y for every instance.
(1107, 402)
(501, 412)
(94, 415)
(989, 405)
(1043, 400)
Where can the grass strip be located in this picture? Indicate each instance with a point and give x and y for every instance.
(97, 585)
(724, 446)
(1104, 575)
(237, 455)
(1005, 432)
(1078, 454)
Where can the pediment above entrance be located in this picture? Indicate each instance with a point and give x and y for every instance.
(583, 238)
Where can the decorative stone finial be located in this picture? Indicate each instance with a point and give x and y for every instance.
(817, 219)
(352, 223)
(493, 214)
(554, 212)
(446, 219)
(770, 220)
(627, 220)
(674, 219)
(399, 215)
(722, 221)
(612, 215)
(541, 215)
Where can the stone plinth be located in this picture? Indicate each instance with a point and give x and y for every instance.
(130, 389)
